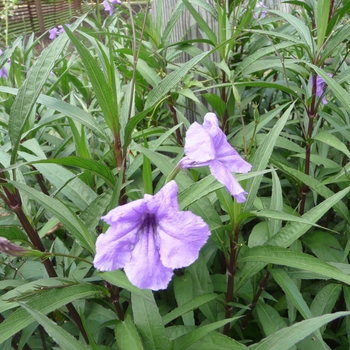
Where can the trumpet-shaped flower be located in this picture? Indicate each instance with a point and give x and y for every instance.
(109, 5)
(206, 145)
(149, 238)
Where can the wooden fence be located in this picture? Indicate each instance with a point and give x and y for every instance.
(28, 16)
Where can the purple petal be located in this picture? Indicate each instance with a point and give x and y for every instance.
(126, 213)
(182, 235)
(198, 144)
(1, 52)
(225, 153)
(108, 7)
(113, 249)
(223, 175)
(187, 163)
(164, 200)
(145, 269)
(53, 33)
(4, 73)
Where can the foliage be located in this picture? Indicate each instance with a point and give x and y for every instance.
(98, 119)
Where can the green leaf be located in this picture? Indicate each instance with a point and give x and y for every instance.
(96, 167)
(216, 340)
(170, 81)
(290, 289)
(149, 322)
(201, 23)
(66, 109)
(293, 230)
(322, 13)
(30, 90)
(261, 53)
(45, 302)
(287, 337)
(262, 156)
(147, 175)
(170, 25)
(69, 219)
(57, 333)
(276, 204)
(13, 233)
(332, 141)
(325, 246)
(189, 306)
(269, 318)
(9, 51)
(301, 28)
(127, 336)
(286, 257)
(318, 187)
(186, 340)
(119, 279)
(325, 299)
(62, 179)
(335, 40)
(183, 292)
(102, 89)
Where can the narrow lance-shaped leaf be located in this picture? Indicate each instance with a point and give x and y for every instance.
(64, 339)
(67, 109)
(30, 90)
(104, 94)
(286, 257)
(48, 301)
(287, 337)
(67, 217)
(149, 322)
(127, 336)
(262, 157)
(92, 165)
(322, 13)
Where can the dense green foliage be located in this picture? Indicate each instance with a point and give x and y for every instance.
(98, 119)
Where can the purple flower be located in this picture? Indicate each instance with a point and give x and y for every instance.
(4, 73)
(320, 87)
(53, 33)
(149, 238)
(261, 13)
(3, 70)
(10, 249)
(206, 145)
(109, 5)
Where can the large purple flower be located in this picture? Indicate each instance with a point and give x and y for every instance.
(149, 238)
(320, 87)
(206, 145)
